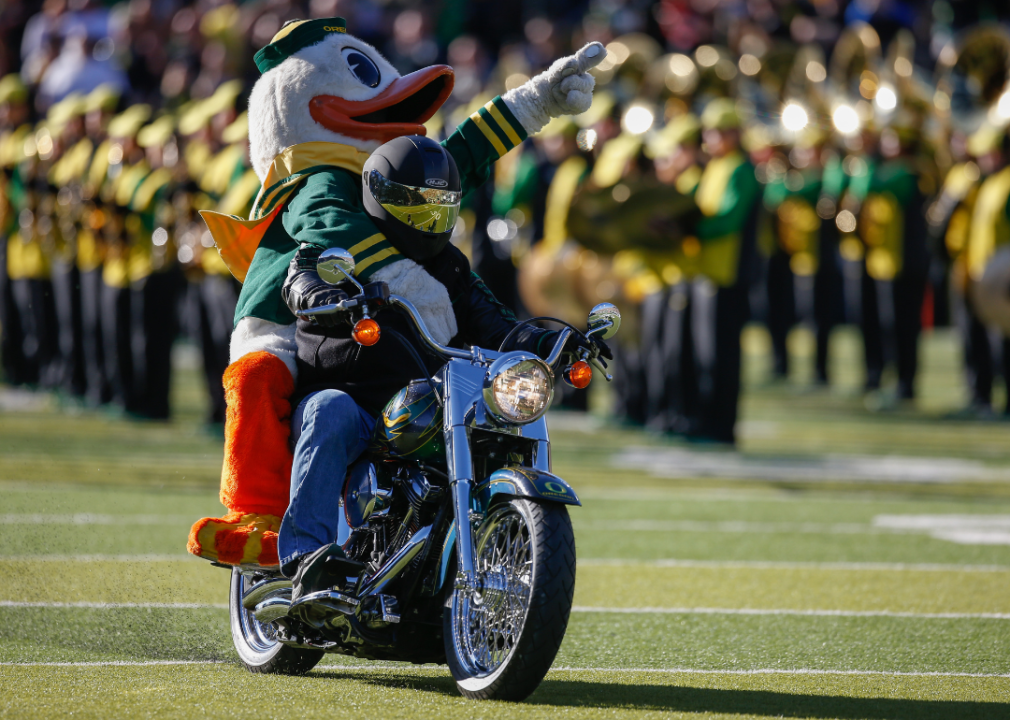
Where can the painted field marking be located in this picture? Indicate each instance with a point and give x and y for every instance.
(742, 526)
(92, 519)
(787, 565)
(774, 611)
(577, 608)
(415, 668)
(115, 606)
(682, 463)
(115, 663)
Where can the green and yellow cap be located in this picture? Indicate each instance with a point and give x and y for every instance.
(104, 97)
(129, 122)
(721, 114)
(157, 133)
(67, 109)
(294, 37)
(681, 130)
(13, 89)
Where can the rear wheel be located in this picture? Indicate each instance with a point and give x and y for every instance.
(501, 640)
(257, 644)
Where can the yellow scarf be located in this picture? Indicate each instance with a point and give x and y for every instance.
(237, 239)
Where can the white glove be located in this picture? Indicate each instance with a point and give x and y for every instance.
(565, 88)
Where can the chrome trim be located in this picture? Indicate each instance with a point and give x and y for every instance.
(605, 320)
(396, 564)
(559, 346)
(259, 592)
(423, 329)
(503, 364)
(336, 264)
(271, 609)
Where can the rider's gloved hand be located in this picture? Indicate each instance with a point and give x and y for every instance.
(304, 289)
(593, 345)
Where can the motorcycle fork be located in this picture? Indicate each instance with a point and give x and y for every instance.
(460, 464)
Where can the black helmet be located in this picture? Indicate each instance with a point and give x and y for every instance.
(412, 193)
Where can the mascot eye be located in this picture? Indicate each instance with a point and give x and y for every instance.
(362, 68)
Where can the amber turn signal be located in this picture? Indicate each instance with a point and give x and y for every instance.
(580, 374)
(366, 332)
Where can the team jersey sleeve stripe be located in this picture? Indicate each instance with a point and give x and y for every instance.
(492, 138)
(504, 124)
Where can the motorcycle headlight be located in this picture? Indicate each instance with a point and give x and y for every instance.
(518, 388)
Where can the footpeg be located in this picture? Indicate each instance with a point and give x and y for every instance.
(317, 608)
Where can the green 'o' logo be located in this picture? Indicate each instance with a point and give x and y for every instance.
(555, 487)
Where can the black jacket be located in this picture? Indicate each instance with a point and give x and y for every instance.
(330, 358)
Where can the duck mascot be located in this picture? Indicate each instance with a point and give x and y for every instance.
(324, 102)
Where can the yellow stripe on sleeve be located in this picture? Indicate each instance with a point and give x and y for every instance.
(489, 134)
(504, 124)
(366, 243)
(382, 255)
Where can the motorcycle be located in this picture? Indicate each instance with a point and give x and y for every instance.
(458, 530)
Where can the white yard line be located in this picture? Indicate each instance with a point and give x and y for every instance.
(742, 526)
(786, 565)
(414, 669)
(775, 671)
(114, 663)
(577, 608)
(142, 558)
(92, 519)
(114, 606)
(777, 611)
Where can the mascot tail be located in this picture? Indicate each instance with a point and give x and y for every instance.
(256, 476)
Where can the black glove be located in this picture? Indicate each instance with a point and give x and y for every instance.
(304, 289)
(593, 344)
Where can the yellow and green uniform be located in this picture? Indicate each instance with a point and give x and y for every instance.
(891, 189)
(321, 205)
(796, 225)
(990, 222)
(726, 195)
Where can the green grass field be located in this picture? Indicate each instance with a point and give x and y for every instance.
(842, 564)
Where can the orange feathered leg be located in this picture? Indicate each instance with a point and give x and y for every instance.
(256, 476)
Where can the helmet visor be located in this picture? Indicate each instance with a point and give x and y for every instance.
(429, 210)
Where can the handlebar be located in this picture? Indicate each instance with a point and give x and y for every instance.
(348, 304)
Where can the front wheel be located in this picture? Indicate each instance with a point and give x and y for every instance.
(501, 640)
(257, 644)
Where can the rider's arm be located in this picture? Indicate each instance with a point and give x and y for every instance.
(484, 321)
(481, 139)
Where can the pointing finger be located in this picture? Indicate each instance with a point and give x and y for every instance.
(590, 56)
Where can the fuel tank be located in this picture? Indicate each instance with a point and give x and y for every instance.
(410, 427)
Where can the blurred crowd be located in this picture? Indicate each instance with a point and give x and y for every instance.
(822, 162)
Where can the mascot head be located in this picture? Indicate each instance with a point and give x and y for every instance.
(321, 84)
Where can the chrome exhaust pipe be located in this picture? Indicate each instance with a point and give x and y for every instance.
(389, 572)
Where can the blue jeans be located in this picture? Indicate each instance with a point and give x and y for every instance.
(330, 431)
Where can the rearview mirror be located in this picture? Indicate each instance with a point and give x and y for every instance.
(604, 320)
(336, 265)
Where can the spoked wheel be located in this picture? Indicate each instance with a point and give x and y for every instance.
(257, 643)
(501, 640)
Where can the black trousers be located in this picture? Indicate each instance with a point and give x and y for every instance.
(37, 313)
(891, 323)
(117, 351)
(671, 384)
(153, 327)
(67, 301)
(782, 315)
(98, 390)
(12, 358)
(218, 296)
(718, 315)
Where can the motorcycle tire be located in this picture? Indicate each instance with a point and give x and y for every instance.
(500, 643)
(256, 643)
